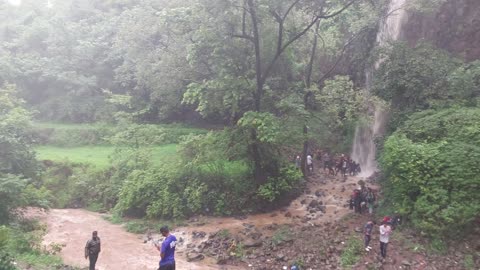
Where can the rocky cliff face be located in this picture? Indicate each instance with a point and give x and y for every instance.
(455, 27)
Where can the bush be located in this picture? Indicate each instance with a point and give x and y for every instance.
(23, 241)
(277, 187)
(433, 176)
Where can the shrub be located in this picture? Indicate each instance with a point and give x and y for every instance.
(285, 183)
(433, 175)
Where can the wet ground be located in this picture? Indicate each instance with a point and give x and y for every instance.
(126, 251)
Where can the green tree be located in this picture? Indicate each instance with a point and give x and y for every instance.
(424, 77)
(17, 160)
(430, 164)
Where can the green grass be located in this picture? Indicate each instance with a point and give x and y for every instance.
(65, 126)
(179, 128)
(99, 155)
(352, 252)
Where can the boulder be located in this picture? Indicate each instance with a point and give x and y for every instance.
(194, 256)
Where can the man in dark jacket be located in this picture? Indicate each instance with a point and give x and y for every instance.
(92, 249)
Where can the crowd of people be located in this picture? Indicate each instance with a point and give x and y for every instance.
(363, 200)
(332, 165)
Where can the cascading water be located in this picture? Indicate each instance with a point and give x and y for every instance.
(364, 150)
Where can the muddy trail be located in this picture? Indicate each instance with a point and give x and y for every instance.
(122, 250)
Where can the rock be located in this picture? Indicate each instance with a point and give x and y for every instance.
(194, 257)
(280, 257)
(288, 214)
(221, 259)
(313, 204)
(358, 229)
(304, 201)
(255, 235)
(196, 235)
(252, 243)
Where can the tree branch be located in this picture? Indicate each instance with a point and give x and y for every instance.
(338, 12)
(290, 9)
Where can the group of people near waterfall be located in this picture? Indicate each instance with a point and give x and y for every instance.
(363, 200)
(332, 165)
(166, 249)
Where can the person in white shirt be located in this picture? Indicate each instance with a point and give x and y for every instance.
(385, 231)
(310, 163)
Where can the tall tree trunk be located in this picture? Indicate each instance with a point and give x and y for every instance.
(258, 173)
(306, 97)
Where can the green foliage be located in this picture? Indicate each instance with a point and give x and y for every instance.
(23, 242)
(11, 188)
(352, 252)
(457, 124)
(276, 187)
(16, 156)
(266, 125)
(422, 78)
(432, 175)
(5, 258)
(468, 262)
(125, 134)
(341, 101)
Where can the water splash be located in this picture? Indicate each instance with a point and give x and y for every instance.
(364, 150)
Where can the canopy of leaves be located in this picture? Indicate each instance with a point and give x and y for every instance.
(424, 77)
(432, 167)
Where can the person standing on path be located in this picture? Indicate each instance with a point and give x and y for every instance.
(385, 231)
(92, 249)
(167, 250)
(310, 163)
(368, 234)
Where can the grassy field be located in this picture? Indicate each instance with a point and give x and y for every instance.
(178, 128)
(99, 155)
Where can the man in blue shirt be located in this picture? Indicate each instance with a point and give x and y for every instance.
(167, 250)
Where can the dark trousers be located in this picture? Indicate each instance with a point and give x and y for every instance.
(167, 267)
(383, 249)
(367, 239)
(93, 260)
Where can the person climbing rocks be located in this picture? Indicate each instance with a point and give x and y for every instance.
(368, 234)
(92, 249)
(385, 231)
(167, 250)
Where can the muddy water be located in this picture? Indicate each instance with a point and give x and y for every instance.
(120, 250)
(126, 251)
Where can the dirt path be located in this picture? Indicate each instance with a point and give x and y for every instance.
(126, 251)
(120, 250)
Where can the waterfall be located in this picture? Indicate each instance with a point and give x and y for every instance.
(364, 150)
